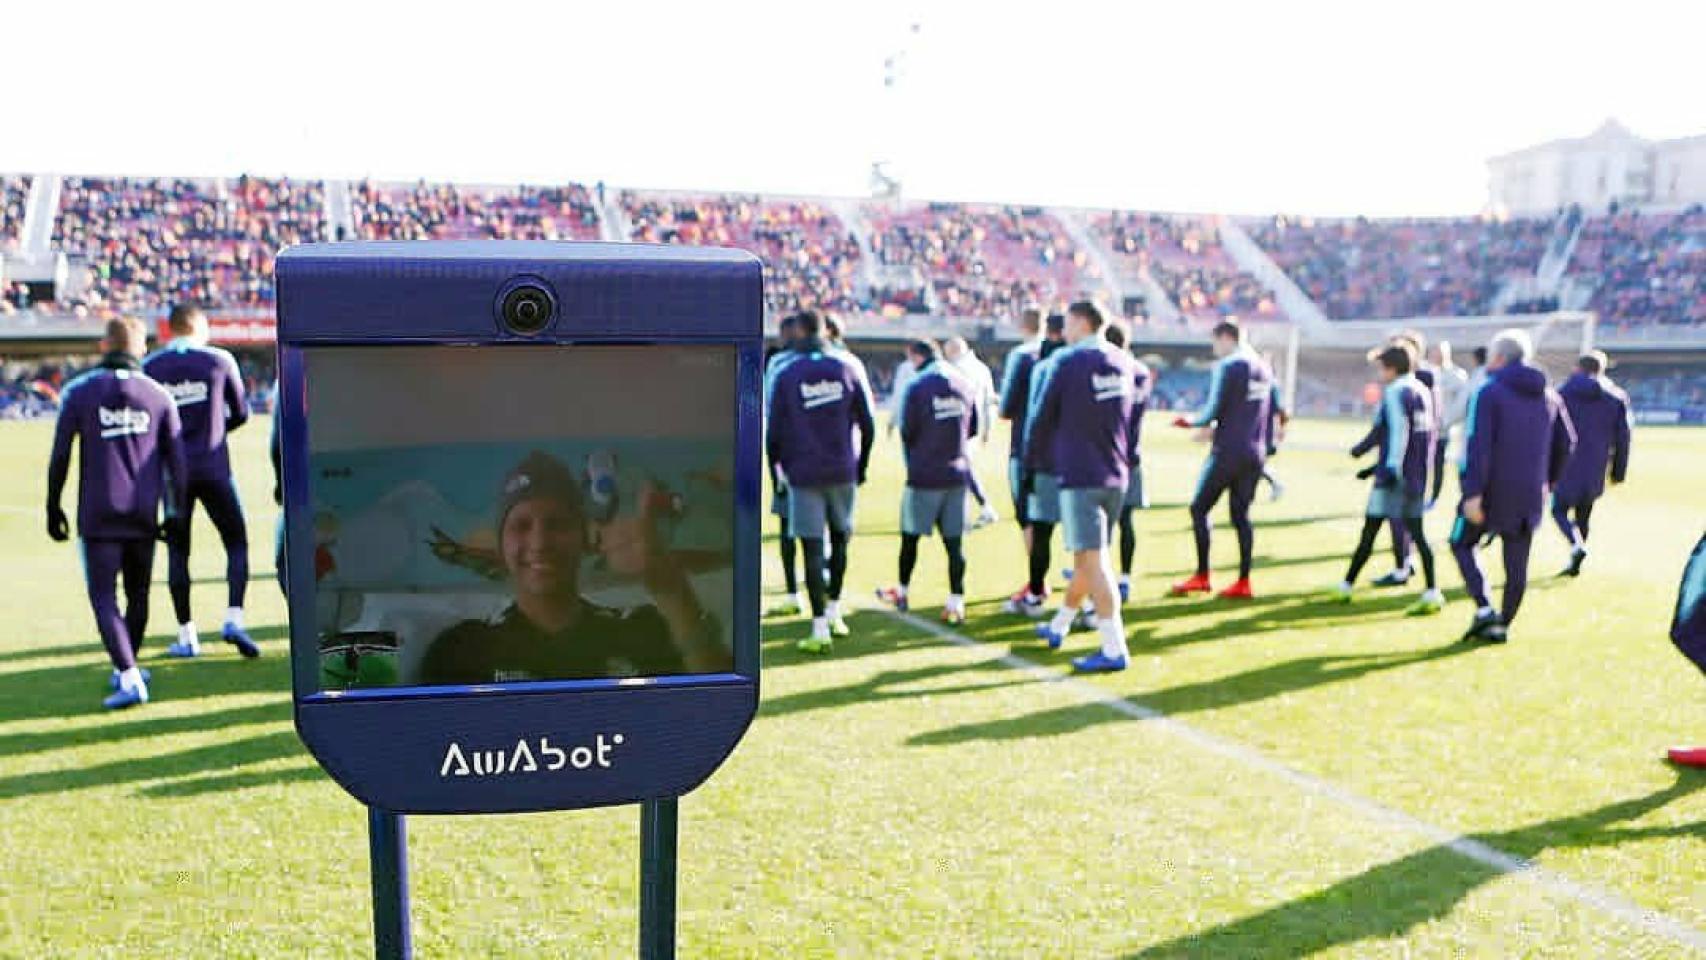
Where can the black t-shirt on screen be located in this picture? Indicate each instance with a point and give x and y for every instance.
(601, 643)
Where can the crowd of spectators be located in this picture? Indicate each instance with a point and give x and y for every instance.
(151, 243)
(13, 298)
(14, 197)
(810, 257)
(980, 261)
(447, 211)
(31, 388)
(1663, 386)
(1366, 269)
(1650, 268)
(1185, 257)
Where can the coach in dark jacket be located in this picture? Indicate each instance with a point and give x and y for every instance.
(1518, 443)
(1599, 410)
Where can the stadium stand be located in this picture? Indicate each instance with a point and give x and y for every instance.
(447, 211)
(980, 261)
(1185, 256)
(1669, 386)
(810, 257)
(1381, 269)
(1649, 267)
(14, 194)
(154, 242)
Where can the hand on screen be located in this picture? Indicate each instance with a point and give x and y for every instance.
(631, 545)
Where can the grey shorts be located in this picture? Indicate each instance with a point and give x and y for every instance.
(1044, 503)
(814, 511)
(922, 512)
(1134, 493)
(1392, 503)
(1016, 484)
(1087, 514)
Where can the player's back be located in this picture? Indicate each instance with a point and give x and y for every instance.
(1407, 414)
(1511, 423)
(1143, 383)
(1240, 399)
(207, 386)
(1096, 386)
(816, 400)
(938, 414)
(1016, 392)
(1599, 410)
(118, 416)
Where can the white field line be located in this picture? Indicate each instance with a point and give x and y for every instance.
(1650, 921)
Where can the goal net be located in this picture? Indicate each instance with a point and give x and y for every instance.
(1332, 376)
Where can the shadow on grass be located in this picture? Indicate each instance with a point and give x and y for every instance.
(224, 782)
(1236, 690)
(46, 653)
(1389, 901)
(77, 688)
(873, 632)
(1313, 611)
(255, 576)
(894, 685)
(140, 723)
(1256, 517)
(1260, 564)
(219, 758)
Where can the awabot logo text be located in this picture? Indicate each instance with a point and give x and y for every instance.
(123, 421)
(186, 392)
(821, 393)
(529, 755)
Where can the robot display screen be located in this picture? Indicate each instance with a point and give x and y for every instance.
(513, 514)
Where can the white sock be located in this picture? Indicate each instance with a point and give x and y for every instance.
(1345, 586)
(832, 610)
(1484, 612)
(1113, 636)
(234, 617)
(1125, 580)
(900, 589)
(187, 635)
(130, 681)
(1063, 618)
(956, 603)
(820, 628)
(1432, 593)
(799, 601)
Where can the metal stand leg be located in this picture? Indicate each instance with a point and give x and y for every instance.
(657, 879)
(388, 854)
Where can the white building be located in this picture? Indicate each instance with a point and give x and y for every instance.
(1610, 164)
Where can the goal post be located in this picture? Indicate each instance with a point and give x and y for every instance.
(1331, 374)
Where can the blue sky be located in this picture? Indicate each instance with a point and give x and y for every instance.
(1316, 107)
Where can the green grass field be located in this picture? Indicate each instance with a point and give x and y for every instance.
(1327, 780)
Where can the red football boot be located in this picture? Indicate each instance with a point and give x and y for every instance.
(1688, 756)
(1240, 590)
(1196, 584)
